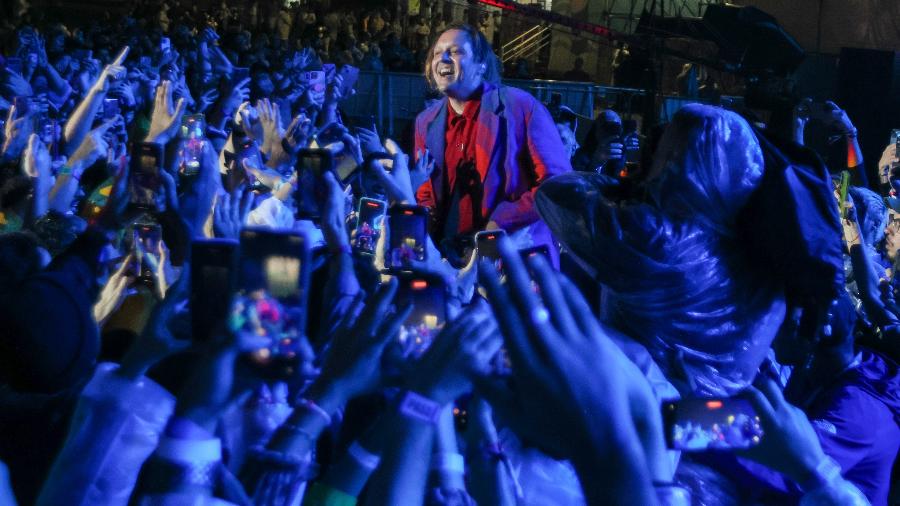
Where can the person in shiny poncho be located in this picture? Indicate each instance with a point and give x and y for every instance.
(673, 268)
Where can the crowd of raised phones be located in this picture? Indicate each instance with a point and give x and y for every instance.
(214, 289)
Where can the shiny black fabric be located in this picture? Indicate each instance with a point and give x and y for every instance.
(675, 271)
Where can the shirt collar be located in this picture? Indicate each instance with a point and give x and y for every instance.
(470, 110)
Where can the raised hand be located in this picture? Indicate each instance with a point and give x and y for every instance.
(397, 184)
(236, 96)
(156, 341)
(561, 399)
(298, 132)
(790, 445)
(92, 148)
(36, 160)
(353, 358)
(369, 141)
(333, 215)
(16, 133)
(460, 352)
(207, 99)
(113, 293)
(231, 212)
(114, 70)
(423, 169)
(270, 120)
(166, 117)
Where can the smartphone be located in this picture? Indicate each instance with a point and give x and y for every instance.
(350, 74)
(369, 220)
(700, 424)
(277, 262)
(329, 70)
(23, 105)
(110, 108)
(895, 140)
(842, 192)
(312, 164)
(144, 181)
(408, 232)
(271, 297)
(486, 244)
(145, 241)
(428, 296)
(631, 146)
(193, 135)
(214, 270)
(541, 249)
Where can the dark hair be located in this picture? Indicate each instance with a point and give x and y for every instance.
(481, 51)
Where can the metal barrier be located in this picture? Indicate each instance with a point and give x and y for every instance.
(394, 99)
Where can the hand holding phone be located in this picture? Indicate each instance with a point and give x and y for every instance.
(312, 164)
(428, 297)
(369, 222)
(214, 267)
(408, 226)
(144, 180)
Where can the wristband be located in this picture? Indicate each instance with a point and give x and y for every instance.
(448, 463)
(315, 408)
(363, 457)
(279, 185)
(419, 407)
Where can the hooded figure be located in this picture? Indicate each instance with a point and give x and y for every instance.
(674, 271)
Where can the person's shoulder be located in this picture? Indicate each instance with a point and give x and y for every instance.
(431, 110)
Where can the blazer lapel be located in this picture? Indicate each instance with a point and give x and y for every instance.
(491, 133)
(435, 141)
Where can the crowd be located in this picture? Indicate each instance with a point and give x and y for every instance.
(215, 290)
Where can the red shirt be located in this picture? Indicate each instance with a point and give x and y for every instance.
(459, 158)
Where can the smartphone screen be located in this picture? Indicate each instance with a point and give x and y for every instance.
(213, 283)
(271, 298)
(486, 244)
(110, 108)
(699, 424)
(350, 75)
(369, 220)
(329, 70)
(144, 181)
(312, 164)
(193, 135)
(428, 295)
(542, 250)
(408, 231)
(895, 140)
(146, 238)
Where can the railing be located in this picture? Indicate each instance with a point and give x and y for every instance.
(506, 48)
(394, 99)
(530, 46)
